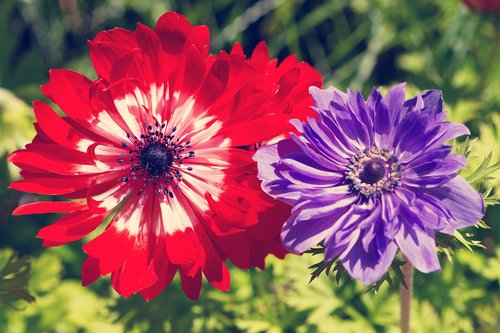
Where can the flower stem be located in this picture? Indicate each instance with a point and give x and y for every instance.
(405, 295)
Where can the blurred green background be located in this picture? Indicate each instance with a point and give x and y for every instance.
(357, 44)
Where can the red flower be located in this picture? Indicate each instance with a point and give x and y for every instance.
(156, 142)
(483, 5)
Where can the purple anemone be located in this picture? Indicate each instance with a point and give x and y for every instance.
(368, 177)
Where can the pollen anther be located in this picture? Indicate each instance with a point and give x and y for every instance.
(372, 172)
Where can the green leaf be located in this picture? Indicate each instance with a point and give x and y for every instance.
(483, 171)
(14, 276)
(335, 266)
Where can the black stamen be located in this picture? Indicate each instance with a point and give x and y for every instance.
(156, 158)
(372, 172)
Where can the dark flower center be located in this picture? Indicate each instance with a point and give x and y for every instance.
(372, 172)
(156, 158)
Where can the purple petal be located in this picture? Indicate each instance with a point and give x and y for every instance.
(393, 102)
(462, 201)
(390, 205)
(329, 135)
(410, 134)
(434, 172)
(323, 193)
(437, 154)
(344, 237)
(301, 163)
(420, 211)
(447, 166)
(383, 127)
(369, 265)
(360, 115)
(433, 98)
(413, 104)
(316, 209)
(449, 131)
(350, 126)
(418, 245)
(322, 98)
(273, 183)
(299, 235)
(357, 105)
(395, 99)
(319, 147)
(427, 182)
(302, 182)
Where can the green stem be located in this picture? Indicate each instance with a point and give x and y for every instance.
(406, 295)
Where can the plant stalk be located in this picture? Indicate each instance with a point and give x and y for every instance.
(406, 295)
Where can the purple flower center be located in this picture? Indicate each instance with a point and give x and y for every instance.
(156, 158)
(372, 172)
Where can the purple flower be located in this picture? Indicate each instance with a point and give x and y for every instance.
(368, 177)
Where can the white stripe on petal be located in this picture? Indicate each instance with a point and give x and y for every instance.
(108, 128)
(176, 216)
(129, 216)
(131, 111)
(113, 197)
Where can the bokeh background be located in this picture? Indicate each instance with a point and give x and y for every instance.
(358, 44)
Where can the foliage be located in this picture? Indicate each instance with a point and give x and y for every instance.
(14, 275)
(358, 43)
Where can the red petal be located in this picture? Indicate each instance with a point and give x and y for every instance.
(191, 285)
(231, 212)
(49, 207)
(173, 29)
(134, 275)
(32, 186)
(190, 79)
(47, 243)
(218, 275)
(214, 268)
(36, 182)
(108, 46)
(118, 242)
(215, 83)
(271, 220)
(165, 272)
(199, 36)
(288, 82)
(117, 35)
(71, 226)
(260, 250)
(69, 90)
(236, 248)
(260, 56)
(112, 248)
(129, 72)
(150, 45)
(48, 158)
(163, 281)
(90, 271)
(237, 49)
(183, 247)
(56, 128)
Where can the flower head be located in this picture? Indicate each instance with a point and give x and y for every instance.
(160, 143)
(368, 177)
